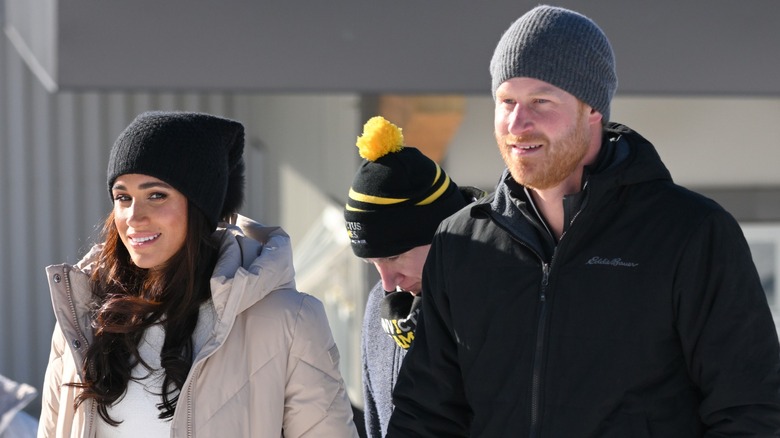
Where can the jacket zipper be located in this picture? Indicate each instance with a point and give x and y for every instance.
(188, 386)
(536, 382)
(88, 430)
(194, 374)
(69, 293)
(536, 379)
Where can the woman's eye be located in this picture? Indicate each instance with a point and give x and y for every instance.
(158, 195)
(121, 197)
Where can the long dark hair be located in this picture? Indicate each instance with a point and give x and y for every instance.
(128, 299)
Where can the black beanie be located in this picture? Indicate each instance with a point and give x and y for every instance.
(398, 196)
(200, 155)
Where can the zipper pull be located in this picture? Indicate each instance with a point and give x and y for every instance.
(545, 280)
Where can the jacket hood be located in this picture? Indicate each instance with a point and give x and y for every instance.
(254, 260)
(631, 159)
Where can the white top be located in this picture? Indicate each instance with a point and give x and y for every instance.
(137, 408)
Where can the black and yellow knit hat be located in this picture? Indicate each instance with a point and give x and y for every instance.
(398, 196)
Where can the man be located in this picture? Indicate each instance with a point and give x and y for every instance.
(397, 199)
(589, 296)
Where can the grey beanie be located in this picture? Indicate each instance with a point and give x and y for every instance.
(560, 47)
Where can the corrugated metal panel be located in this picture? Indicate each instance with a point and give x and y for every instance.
(17, 238)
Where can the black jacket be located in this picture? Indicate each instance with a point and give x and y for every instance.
(646, 319)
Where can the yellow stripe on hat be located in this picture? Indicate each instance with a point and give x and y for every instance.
(438, 192)
(371, 199)
(350, 208)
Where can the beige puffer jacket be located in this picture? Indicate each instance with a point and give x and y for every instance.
(270, 370)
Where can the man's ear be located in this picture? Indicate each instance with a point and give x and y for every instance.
(595, 116)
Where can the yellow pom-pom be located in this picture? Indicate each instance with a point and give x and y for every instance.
(379, 138)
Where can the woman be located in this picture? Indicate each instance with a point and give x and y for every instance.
(179, 324)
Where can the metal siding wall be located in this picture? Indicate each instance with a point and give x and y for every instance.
(17, 294)
(53, 198)
(5, 326)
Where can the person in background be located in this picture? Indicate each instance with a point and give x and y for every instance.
(397, 199)
(590, 296)
(14, 422)
(185, 320)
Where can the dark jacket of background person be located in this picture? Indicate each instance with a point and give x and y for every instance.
(647, 319)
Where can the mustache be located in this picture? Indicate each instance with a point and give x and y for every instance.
(530, 138)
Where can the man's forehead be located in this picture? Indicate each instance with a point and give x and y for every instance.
(531, 86)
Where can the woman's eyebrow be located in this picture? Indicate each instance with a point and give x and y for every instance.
(144, 186)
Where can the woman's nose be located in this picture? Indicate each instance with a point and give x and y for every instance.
(136, 213)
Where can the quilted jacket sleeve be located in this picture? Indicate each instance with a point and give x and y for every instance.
(316, 402)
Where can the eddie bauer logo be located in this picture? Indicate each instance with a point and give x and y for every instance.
(610, 262)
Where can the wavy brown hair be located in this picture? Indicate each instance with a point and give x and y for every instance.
(128, 299)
